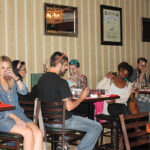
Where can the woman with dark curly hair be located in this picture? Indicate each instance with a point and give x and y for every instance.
(116, 85)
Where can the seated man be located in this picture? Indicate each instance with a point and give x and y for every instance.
(77, 80)
(139, 75)
(52, 88)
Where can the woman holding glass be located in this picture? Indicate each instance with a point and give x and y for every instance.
(116, 85)
(77, 81)
(15, 121)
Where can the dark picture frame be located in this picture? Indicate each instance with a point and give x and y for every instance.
(145, 29)
(69, 27)
(111, 25)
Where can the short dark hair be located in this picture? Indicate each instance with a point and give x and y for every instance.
(74, 62)
(57, 57)
(15, 67)
(141, 58)
(125, 65)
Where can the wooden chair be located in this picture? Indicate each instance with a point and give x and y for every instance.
(112, 124)
(134, 131)
(54, 113)
(28, 107)
(16, 139)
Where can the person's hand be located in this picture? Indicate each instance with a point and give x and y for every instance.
(144, 69)
(111, 102)
(11, 74)
(109, 75)
(84, 93)
(74, 77)
(20, 123)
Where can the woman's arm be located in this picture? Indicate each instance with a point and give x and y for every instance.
(104, 83)
(23, 90)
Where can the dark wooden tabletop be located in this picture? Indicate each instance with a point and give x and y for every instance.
(7, 108)
(102, 98)
(144, 91)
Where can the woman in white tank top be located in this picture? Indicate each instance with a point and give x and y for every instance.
(117, 85)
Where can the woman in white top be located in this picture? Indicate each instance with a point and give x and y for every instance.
(117, 85)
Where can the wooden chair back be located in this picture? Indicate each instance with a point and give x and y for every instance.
(28, 107)
(134, 130)
(54, 113)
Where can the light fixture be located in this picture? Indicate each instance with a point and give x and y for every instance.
(54, 15)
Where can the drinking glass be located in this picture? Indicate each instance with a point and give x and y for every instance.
(148, 85)
(136, 86)
(102, 91)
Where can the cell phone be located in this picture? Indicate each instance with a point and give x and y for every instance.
(114, 74)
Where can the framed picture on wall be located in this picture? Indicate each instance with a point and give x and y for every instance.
(111, 25)
(60, 20)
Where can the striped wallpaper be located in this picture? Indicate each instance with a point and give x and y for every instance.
(22, 36)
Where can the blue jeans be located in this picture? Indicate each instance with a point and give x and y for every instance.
(91, 127)
(144, 106)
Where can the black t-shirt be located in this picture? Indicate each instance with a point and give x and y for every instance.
(53, 88)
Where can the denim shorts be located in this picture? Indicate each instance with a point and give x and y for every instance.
(9, 123)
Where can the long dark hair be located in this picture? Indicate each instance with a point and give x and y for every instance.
(16, 65)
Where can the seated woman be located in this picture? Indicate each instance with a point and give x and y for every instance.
(77, 80)
(116, 85)
(19, 68)
(15, 121)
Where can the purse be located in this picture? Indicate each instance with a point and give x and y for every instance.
(133, 105)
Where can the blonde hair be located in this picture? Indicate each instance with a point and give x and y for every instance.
(7, 59)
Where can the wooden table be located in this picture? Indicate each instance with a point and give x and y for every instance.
(146, 91)
(7, 108)
(91, 100)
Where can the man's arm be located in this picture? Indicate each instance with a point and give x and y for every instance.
(72, 104)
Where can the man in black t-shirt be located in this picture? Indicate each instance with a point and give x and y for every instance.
(52, 87)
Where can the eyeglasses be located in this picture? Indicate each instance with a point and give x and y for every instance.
(23, 70)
